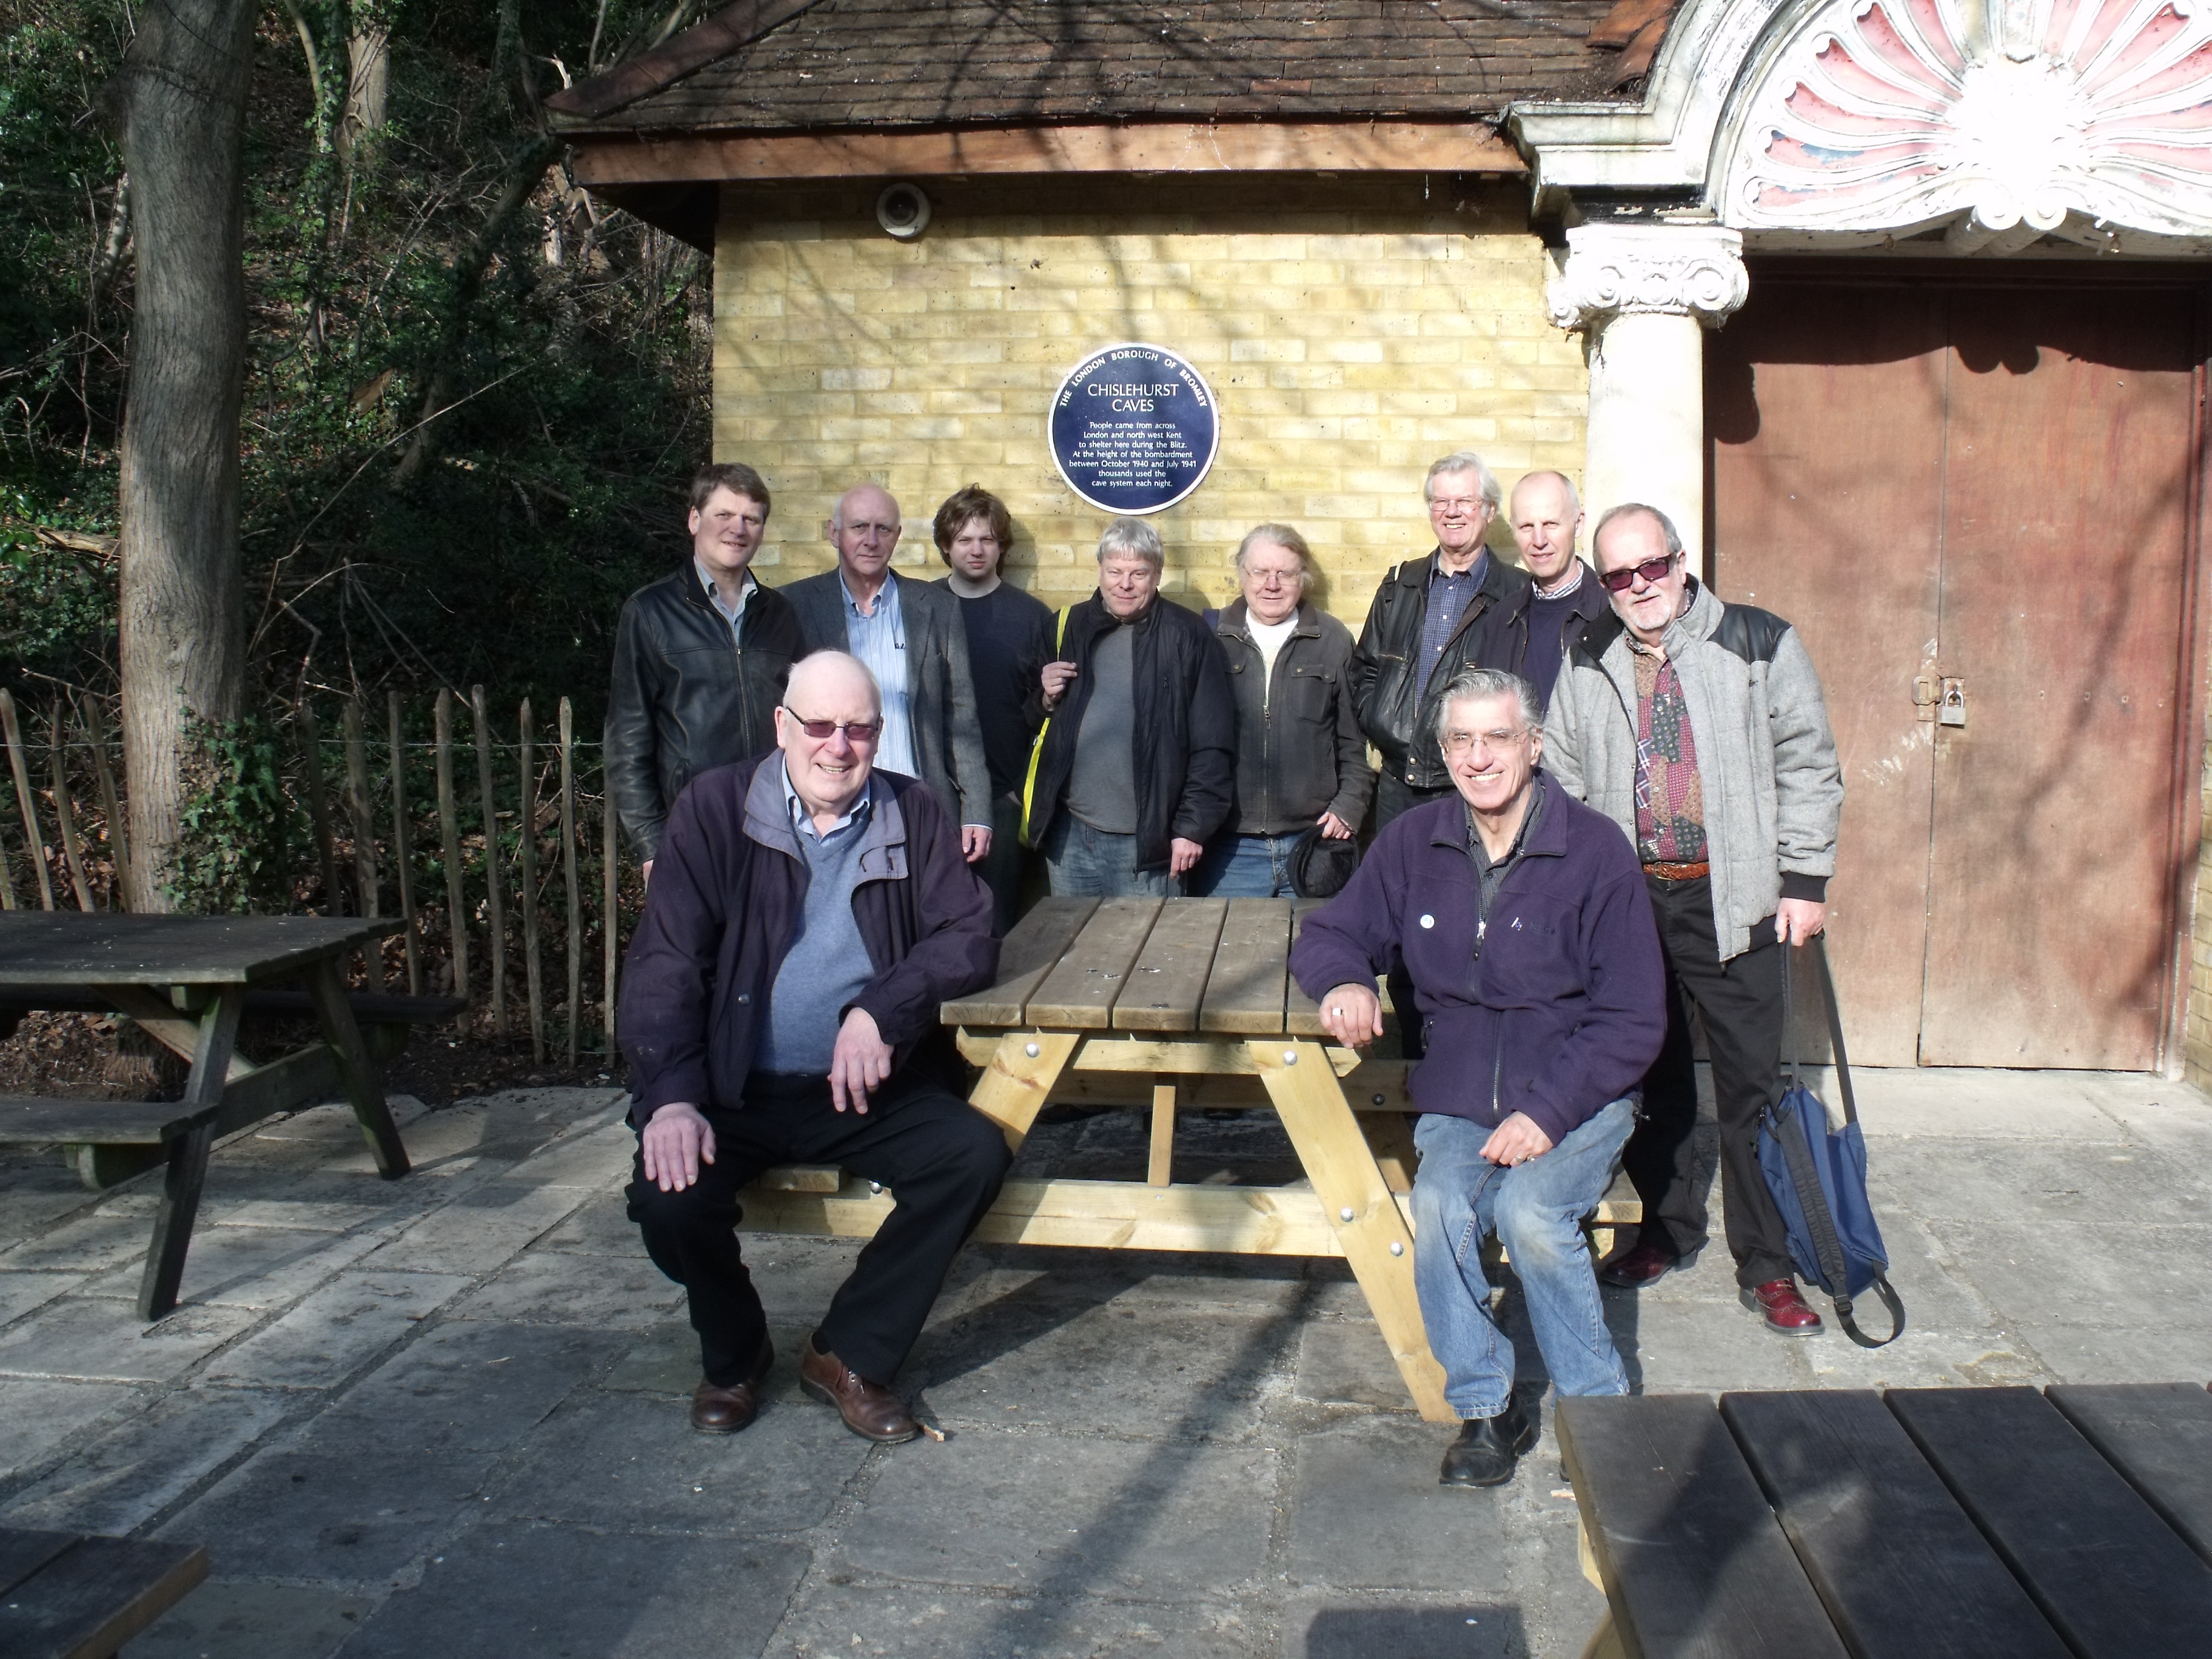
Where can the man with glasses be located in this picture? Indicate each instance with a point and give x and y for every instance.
(808, 915)
(1699, 727)
(912, 639)
(1523, 920)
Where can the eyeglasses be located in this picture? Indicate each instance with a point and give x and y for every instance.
(1457, 743)
(1618, 581)
(856, 731)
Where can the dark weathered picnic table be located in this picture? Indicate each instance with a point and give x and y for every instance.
(1917, 1524)
(185, 981)
(65, 1596)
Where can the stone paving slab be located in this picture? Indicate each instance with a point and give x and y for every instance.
(446, 1414)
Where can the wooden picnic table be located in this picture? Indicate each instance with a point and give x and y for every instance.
(184, 981)
(67, 1596)
(1917, 1524)
(1176, 996)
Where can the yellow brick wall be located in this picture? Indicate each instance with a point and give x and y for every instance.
(1351, 331)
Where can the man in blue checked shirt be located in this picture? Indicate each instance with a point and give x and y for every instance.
(911, 637)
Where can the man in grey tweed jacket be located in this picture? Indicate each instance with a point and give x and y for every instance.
(1699, 727)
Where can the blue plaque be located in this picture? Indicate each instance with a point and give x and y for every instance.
(1134, 429)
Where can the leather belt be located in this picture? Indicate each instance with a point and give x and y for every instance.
(1679, 871)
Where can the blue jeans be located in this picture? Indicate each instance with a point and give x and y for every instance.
(1536, 1210)
(1088, 863)
(1245, 867)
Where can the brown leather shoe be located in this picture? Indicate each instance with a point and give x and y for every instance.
(717, 1410)
(1644, 1262)
(869, 1410)
(1783, 1309)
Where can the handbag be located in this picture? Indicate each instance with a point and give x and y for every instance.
(1818, 1179)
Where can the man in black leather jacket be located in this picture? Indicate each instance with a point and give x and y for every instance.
(1430, 617)
(701, 658)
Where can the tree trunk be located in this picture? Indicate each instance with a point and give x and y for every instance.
(368, 83)
(180, 101)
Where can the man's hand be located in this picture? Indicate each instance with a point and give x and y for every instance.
(1796, 921)
(860, 1062)
(1353, 1015)
(1516, 1140)
(676, 1141)
(975, 841)
(1057, 678)
(1182, 855)
(646, 869)
(1334, 828)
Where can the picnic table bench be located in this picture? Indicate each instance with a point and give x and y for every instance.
(66, 1596)
(187, 982)
(1166, 1001)
(1917, 1524)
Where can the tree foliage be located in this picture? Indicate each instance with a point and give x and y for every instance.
(473, 394)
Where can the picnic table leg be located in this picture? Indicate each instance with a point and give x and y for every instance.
(357, 1072)
(1013, 1086)
(1376, 1240)
(188, 1156)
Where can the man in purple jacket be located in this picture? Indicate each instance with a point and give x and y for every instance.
(1523, 920)
(806, 918)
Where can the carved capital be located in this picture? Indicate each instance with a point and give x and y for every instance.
(1677, 270)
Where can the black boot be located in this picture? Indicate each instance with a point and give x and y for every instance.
(1485, 1453)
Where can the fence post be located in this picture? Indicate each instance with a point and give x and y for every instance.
(65, 811)
(449, 834)
(533, 969)
(569, 872)
(15, 735)
(95, 734)
(493, 883)
(319, 805)
(362, 810)
(403, 849)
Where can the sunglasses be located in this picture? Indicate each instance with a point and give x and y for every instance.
(856, 731)
(1618, 581)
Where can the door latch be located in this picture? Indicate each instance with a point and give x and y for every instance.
(1925, 691)
(1951, 711)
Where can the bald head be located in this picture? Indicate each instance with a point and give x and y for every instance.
(1547, 519)
(833, 692)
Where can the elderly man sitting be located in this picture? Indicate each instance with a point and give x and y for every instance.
(807, 917)
(1521, 918)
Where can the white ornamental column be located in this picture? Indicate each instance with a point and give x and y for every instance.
(1643, 295)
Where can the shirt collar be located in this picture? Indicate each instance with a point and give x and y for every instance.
(1479, 570)
(714, 593)
(1572, 583)
(803, 821)
(888, 593)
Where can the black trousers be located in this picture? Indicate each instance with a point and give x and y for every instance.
(942, 1160)
(1394, 795)
(1740, 1003)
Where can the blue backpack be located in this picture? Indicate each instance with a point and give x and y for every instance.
(1818, 1177)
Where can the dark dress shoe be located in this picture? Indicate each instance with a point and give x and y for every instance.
(1778, 1302)
(1487, 1448)
(717, 1410)
(1639, 1265)
(869, 1410)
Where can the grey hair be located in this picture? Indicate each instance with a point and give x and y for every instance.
(1465, 460)
(1574, 497)
(1282, 535)
(1132, 536)
(1639, 509)
(1470, 683)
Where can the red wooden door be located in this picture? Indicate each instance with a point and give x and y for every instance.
(1991, 485)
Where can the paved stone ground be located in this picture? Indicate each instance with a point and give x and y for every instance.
(445, 1415)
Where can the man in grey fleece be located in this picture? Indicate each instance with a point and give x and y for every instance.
(1699, 727)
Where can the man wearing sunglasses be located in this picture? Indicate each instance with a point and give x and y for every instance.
(807, 916)
(1699, 727)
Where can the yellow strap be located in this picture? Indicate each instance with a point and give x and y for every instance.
(1036, 748)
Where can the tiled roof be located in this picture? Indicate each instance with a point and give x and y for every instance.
(897, 63)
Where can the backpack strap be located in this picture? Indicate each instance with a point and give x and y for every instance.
(1036, 744)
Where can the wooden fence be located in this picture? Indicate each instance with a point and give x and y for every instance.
(489, 876)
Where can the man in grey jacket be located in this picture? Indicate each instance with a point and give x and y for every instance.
(912, 641)
(1699, 727)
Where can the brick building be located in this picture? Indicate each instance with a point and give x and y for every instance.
(1950, 427)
